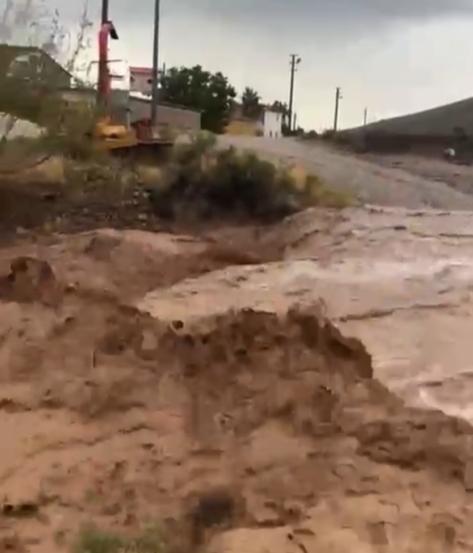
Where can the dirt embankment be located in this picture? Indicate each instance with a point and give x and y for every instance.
(233, 426)
(372, 179)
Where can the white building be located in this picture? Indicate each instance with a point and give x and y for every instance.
(272, 123)
(141, 80)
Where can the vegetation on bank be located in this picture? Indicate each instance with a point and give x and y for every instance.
(204, 182)
(197, 182)
(94, 540)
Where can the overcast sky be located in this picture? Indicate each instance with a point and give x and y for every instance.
(392, 56)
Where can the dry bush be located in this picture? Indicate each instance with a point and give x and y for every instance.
(66, 133)
(206, 183)
(69, 130)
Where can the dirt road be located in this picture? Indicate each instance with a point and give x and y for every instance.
(373, 180)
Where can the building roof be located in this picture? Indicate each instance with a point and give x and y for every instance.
(137, 97)
(9, 52)
(141, 71)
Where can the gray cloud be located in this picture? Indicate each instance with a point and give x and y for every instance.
(391, 55)
(313, 10)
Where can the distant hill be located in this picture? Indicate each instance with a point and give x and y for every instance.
(440, 121)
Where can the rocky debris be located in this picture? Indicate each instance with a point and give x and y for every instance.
(213, 508)
(25, 509)
(30, 280)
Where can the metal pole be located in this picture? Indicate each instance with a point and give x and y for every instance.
(103, 67)
(155, 84)
(104, 11)
(291, 89)
(337, 104)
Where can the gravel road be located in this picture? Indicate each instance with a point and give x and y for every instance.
(373, 180)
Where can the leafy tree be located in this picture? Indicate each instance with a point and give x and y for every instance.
(280, 107)
(251, 103)
(198, 89)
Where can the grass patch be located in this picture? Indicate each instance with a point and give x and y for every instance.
(93, 540)
(203, 182)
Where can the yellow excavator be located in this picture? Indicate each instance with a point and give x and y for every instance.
(117, 137)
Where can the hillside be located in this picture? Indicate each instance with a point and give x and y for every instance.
(437, 121)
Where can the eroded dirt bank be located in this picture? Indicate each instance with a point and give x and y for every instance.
(218, 408)
(381, 180)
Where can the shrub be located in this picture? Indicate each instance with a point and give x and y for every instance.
(328, 134)
(70, 130)
(206, 183)
(65, 132)
(92, 540)
(210, 183)
(310, 135)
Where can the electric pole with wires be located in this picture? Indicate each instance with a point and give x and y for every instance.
(295, 61)
(155, 78)
(104, 11)
(338, 97)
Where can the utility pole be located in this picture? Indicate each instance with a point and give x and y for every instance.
(104, 11)
(338, 97)
(103, 66)
(365, 117)
(295, 61)
(155, 83)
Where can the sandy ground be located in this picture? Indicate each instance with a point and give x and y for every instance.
(413, 183)
(297, 405)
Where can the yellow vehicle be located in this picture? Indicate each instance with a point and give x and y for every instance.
(117, 137)
(109, 136)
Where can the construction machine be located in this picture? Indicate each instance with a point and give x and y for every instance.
(120, 138)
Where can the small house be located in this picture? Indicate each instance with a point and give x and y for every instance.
(267, 123)
(32, 66)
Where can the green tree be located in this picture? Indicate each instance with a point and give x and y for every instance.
(280, 107)
(250, 101)
(195, 88)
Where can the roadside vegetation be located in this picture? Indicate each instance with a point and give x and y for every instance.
(202, 181)
(69, 181)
